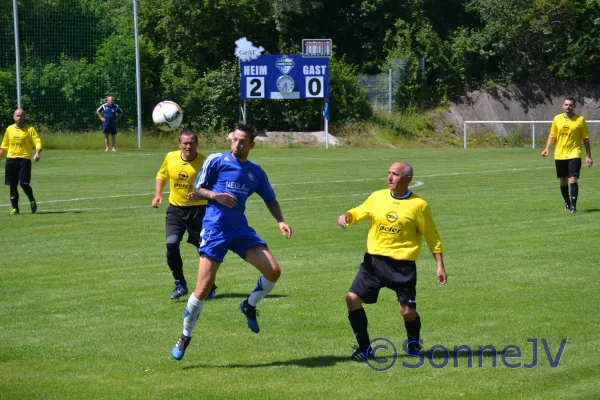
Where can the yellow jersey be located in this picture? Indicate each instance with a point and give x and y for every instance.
(398, 225)
(569, 133)
(20, 141)
(181, 175)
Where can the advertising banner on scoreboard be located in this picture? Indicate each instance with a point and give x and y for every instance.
(284, 77)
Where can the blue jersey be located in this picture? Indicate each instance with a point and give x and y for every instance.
(109, 113)
(223, 173)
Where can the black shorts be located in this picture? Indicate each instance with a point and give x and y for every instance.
(180, 219)
(376, 272)
(568, 168)
(17, 170)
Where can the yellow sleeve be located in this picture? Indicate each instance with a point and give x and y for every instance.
(585, 133)
(163, 173)
(429, 230)
(554, 129)
(35, 138)
(361, 212)
(5, 140)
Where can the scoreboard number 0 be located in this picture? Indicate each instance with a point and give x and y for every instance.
(314, 87)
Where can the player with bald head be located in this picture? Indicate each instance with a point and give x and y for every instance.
(18, 142)
(399, 221)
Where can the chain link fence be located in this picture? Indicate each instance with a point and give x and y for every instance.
(72, 56)
(383, 90)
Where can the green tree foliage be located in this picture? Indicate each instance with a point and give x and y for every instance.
(437, 48)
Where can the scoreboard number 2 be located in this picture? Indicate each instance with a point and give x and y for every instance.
(255, 87)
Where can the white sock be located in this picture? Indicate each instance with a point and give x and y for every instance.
(263, 287)
(192, 313)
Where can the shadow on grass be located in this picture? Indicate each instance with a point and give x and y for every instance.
(231, 296)
(244, 295)
(590, 210)
(309, 362)
(330, 361)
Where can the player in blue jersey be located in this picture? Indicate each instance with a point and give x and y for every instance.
(110, 114)
(226, 181)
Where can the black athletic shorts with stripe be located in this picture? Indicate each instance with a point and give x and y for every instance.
(17, 170)
(377, 272)
(180, 219)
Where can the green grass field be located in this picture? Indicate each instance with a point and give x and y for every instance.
(85, 310)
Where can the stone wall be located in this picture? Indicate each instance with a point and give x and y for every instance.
(527, 103)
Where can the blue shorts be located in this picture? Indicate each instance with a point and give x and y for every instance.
(215, 243)
(109, 128)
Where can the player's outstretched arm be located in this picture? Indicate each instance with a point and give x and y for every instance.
(275, 211)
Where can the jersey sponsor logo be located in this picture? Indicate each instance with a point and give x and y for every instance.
(389, 229)
(183, 186)
(183, 176)
(237, 187)
(392, 216)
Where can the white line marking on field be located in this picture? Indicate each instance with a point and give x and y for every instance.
(304, 183)
(416, 184)
(419, 176)
(121, 154)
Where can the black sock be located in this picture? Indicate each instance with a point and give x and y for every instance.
(28, 192)
(14, 197)
(175, 262)
(564, 190)
(358, 321)
(413, 328)
(574, 193)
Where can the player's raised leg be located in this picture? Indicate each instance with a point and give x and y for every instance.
(207, 271)
(262, 259)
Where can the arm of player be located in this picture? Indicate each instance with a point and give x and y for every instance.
(344, 220)
(36, 156)
(275, 211)
(99, 115)
(549, 143)
(441, 269)
(158, 189)
(226, 199)
(1, 153)
(588, 153)
(551, 138)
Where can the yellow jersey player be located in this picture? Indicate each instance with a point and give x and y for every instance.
(184, 213)
(568, 131)
(400, 220)
(19, 141)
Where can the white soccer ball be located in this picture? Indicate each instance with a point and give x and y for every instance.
(167, 115)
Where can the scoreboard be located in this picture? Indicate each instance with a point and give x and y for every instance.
(284, 77)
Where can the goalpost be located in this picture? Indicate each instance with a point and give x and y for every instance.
(532, 123)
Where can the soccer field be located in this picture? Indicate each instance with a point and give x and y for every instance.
(85, 310)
